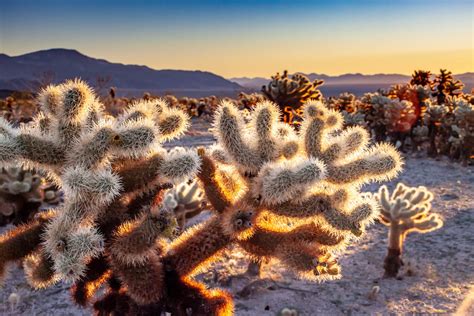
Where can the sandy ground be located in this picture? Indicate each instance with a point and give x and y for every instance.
(437, 277)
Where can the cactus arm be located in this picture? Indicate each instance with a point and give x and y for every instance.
(229, 126)
(135, 240)
(38, 150)
(39, 270)
(144, 280)
(21, 241)
(265, 118)
(196, 247)
(324, 205)
(281, 183)
(424, 225)
(350, 142)
(168, 167)
(172, 123)
(97, 273)
(214, 192)
(381, 162)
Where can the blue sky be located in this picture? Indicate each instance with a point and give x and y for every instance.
(253, 38)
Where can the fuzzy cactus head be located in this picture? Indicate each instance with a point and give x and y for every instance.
(408, 207)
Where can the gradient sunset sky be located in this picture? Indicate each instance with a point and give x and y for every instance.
(250, 38)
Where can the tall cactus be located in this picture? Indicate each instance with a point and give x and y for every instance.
(406, 210)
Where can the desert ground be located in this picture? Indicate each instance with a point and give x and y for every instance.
(436, 279)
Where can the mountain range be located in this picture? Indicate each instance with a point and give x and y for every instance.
(27, 72)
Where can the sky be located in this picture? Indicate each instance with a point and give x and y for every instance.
(250, 38)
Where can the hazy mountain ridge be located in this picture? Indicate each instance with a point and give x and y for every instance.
(355, 83)
(24, 71)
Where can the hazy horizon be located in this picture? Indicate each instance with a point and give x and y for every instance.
(248, 39)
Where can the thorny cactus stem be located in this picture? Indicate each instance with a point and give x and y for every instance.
(406, 210)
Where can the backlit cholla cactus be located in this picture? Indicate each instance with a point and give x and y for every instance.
(345, 102)
(291, 93)
(422, 78)
(406, 210)
(350, 108)
(438, 119)
(389, 117)
(22, 194)
(112, 172)
(249, 101)
(293, 197)
(399, 116)
(446, 85)
(462, 138)
(185, 200)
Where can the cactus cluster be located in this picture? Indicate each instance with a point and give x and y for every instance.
(279, 194)
(410, 116)
(22, 194)
(406, 210)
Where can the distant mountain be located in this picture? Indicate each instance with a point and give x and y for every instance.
(24, 72)
(354, 83)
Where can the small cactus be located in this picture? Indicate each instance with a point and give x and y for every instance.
(186, 200)
(23, 193)
(406, 210)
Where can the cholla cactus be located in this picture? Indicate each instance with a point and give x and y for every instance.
(389, 117)
(345, 102)
(276, 193)
(249, 101)
(186, 200)
(406, 210)
(22, 194)
(462, 138)
(112, 172)
(291, 201)
(446, 85)
(291, 93)
(422, 78)
(437, 118)
(399, 116)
